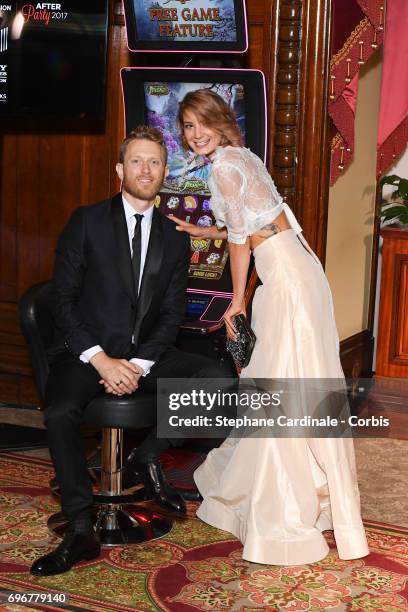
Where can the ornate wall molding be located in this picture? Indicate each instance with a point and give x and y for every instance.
(287, 99)
(301, 145)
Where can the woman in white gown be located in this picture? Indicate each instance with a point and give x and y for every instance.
(276, 495)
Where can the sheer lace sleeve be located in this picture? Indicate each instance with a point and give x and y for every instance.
(244, 198)
(230, 183)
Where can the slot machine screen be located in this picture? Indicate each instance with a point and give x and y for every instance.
(152, 96)
(174, 26)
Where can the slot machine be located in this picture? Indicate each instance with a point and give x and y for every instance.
(152, 96)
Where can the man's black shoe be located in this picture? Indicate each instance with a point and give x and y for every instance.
(191, 495)
(155, 483)
(74, 547)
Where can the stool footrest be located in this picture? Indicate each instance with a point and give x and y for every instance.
(119, 525)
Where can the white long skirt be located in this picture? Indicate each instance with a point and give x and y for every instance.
(277, 495)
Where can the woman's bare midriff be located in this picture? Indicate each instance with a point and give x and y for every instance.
(279, 224)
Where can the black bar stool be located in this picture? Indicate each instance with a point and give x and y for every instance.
(118, 520)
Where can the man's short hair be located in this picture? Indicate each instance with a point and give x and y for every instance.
(143, 132)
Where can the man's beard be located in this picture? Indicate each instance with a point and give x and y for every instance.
(145, 194)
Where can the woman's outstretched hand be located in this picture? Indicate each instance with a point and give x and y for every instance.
(234, 309)
(211, 232)
(184, 226)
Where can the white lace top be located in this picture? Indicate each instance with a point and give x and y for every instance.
(244, 198)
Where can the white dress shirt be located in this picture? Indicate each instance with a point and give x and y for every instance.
(146, 225)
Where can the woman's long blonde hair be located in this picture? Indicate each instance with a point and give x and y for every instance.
(213, 112)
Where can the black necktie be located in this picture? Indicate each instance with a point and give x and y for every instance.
(137, 251)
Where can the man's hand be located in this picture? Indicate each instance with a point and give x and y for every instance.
(118, 376)
(110, 389)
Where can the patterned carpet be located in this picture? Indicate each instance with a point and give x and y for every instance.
(195, 567)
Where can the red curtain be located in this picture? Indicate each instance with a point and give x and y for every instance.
(357, 32)
(393, 119)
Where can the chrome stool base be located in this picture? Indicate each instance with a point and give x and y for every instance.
(116, 517)
(119, 525)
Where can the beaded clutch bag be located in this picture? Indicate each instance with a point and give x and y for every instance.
(241, 348)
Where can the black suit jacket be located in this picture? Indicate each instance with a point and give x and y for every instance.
(95, 294)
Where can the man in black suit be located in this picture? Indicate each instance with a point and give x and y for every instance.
(120, 279)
